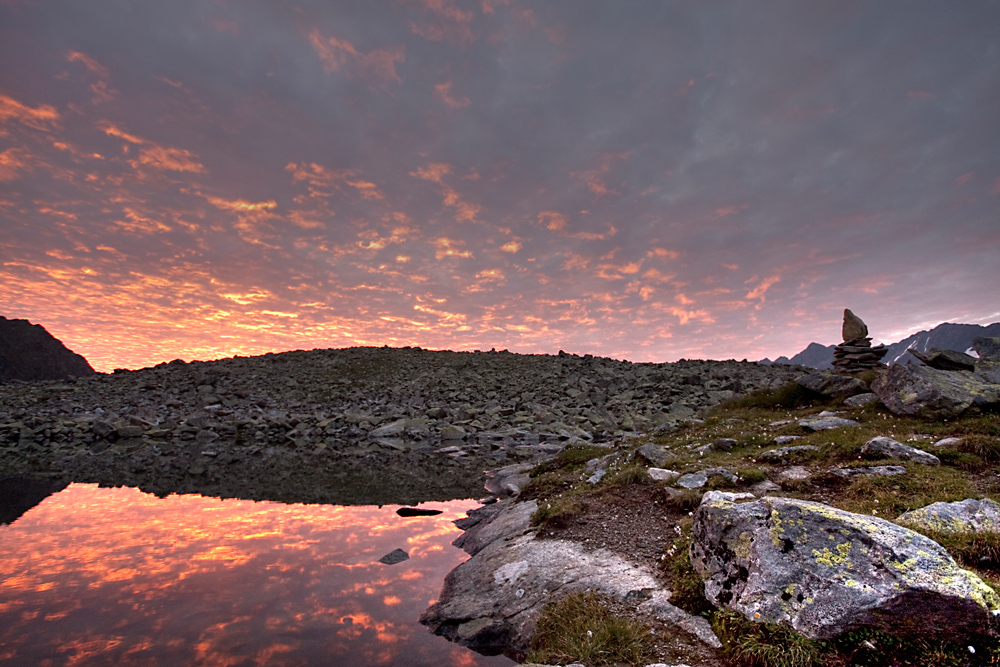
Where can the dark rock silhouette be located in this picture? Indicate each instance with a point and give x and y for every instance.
(20, 494)
(29, 352)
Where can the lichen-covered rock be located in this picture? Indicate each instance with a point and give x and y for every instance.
(920, 391)
(883, 447)
(832, 385)
(945, 360)
(967, 516)
(826, 423)
(824, 571)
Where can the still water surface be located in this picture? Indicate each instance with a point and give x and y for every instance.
(97, 576)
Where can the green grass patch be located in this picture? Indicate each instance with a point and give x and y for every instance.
(749, 644)
(786, 397)
(581, 628)
(888, 497)
(556, 513)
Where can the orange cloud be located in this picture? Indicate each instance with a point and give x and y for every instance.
(761, 289)
(663, 253)
(241, 205)
(552, 220)
(435, 173)
(730, 210)
(594, 236)
(172, 159)
(445, 248)
(450, 23)
(443, 91)
(13, 161)
(511, 246)
(378, 65)
(102, 91)
(320, 179)
(38, 118)
(595, 178)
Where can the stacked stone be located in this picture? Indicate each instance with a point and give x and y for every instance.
(856, 352)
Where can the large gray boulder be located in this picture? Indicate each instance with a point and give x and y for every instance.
(832, 385)
(987, 347)
(920, 391)
(967, 516)
(493, 600)
(824, 571)
(945, 360)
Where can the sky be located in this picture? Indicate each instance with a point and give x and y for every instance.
(644, 180)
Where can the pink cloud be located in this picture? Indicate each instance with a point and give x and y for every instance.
(376, 66)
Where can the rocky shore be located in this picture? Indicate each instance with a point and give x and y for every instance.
(357, 425)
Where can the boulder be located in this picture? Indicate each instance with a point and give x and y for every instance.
(988, 348)
(831, 385)
(654, 455)
(854, 327)
(883, 447)
(662, 474)
(967, 516)
(920, 391)
(824, 572)
(826, 423)
(860, 400)
(874, 471)
(945, 360)
(783, 452)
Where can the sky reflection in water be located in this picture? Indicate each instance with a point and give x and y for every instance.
(96, 576)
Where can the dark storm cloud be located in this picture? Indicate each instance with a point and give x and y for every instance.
(647, 180)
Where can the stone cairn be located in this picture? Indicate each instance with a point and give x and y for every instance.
(856, 352)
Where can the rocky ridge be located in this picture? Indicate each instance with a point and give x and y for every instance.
(28, 352)
(347, 426)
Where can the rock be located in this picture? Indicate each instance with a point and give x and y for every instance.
(416, 511)
(795, 474)
(783, 452)
(920, 391)
(826, 423)
(493, 600)
(451, 432)
(692, 480)
(945, 360)
(967, 516)
(824, 572)
(659, 605)
(831, 385)
(393, 557)
(728, 496)
(103, 429)
(597, 476)
(948, 442)
(854, 327)
(860, 400)
(127, 431)
(723, 444)
(506, 521)
(30, 353)
(883, 447)
(785, 439)
(877, 471)
(653, 454)
(662, 475)
(765, 487)
(395, 428)
(988, 348)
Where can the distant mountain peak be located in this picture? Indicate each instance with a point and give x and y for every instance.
(29, 352)
(947, 336)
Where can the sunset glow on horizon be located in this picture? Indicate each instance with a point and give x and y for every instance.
(646, 181)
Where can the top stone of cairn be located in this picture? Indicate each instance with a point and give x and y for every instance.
(854, 327)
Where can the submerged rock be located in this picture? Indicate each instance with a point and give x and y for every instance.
(824, 571)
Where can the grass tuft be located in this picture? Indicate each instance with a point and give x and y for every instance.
(556, 513)
(581, 628)
(749, 644)
(787, 397)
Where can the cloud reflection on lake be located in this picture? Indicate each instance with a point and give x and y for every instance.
(97, 576)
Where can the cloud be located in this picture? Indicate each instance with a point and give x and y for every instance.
(435, 172)
(42, 117)
(376, 66)
(448, 23)
(172, 159)
(14, 161)
(450, 248)
(596, 178)
(101, 88)
(443, 91)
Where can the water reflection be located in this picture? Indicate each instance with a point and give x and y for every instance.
(95, 576)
